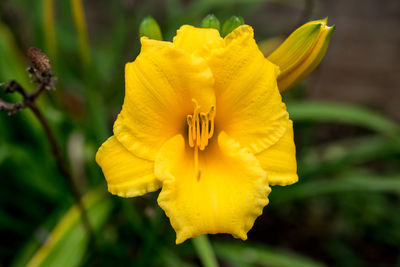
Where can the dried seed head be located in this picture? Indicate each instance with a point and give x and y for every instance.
(39, 60)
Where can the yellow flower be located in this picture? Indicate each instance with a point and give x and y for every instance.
(204, 121)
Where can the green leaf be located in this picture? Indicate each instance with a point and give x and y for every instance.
(12, 63)
(351, 182)
(332, 112)
(78, 14)
(337, 156)
(12, 67)
(67, 243)
(34, 176)
(169, 258)
(256, 255)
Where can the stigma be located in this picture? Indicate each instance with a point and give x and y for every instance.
(200, 130)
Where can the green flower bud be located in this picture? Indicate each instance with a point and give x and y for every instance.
(210, 21)
(231, 24)
(150, 28)
(301, 52)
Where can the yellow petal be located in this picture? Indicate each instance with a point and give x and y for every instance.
(227, 196)
(193, 39)
(249, 105)
(160, 85)
(279, 161)
(301, 52)
(126, 174)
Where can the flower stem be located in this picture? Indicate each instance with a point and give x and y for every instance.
(55, 149)
(41, 73)
(205, 251)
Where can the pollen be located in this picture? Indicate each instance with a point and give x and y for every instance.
(200, 130)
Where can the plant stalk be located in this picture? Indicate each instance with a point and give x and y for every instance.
(205, 251)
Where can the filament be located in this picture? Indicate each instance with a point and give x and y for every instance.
(200, 130)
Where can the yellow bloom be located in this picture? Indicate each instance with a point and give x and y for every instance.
(204, 121)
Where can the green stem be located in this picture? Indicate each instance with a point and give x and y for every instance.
(205, 251)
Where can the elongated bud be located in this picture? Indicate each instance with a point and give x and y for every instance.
(301, 52)
(211, 21)
(150, 28)
(231, 24)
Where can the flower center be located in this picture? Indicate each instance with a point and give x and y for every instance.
(200, 129)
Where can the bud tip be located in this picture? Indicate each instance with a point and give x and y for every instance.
(150, 28)
(231, 24)
(211, 21)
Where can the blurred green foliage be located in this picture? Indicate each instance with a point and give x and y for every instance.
(343, 212)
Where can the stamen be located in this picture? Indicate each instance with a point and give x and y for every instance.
(196, 163)
(190, 130)
(200, 129)
(211, 116)
(198, 134)
(204, 131)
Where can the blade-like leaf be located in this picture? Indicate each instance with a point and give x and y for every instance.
(331, 112)
(67, 242)
(351, 182)
(257, 255)
(338, 156)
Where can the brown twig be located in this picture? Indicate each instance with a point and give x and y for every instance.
(41, 73)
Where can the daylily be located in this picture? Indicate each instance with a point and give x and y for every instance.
(203, 120)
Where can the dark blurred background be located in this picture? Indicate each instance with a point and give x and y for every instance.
(345, 209)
